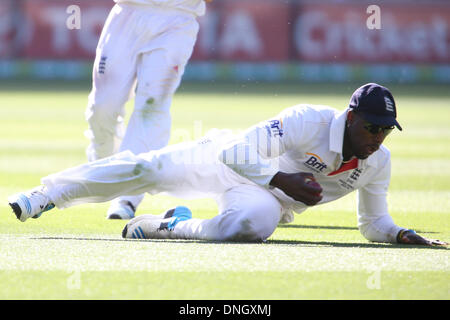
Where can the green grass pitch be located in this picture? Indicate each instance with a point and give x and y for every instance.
(78, 254)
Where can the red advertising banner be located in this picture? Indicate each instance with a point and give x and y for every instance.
(7, 30)
(248, 31)
(244, 31)
(340, 33)
(50, 38)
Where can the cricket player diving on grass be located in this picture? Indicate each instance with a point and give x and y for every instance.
(142, 52)
(305, 156)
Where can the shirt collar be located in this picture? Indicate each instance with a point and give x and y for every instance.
(337, 129)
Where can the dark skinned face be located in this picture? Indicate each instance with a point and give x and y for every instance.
(362, 138)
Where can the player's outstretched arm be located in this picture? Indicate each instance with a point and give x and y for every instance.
(411, 237)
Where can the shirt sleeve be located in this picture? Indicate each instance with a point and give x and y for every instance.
(255, 154)
(374, 221)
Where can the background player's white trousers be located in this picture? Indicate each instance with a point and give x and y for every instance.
(246, 211)
(144, 44)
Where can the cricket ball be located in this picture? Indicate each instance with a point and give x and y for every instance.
(314, 184)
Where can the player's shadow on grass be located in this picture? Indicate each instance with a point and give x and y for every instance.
(270, 242)
(300, 226)
(353, 244)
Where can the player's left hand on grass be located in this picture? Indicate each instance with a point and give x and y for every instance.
(410, 237)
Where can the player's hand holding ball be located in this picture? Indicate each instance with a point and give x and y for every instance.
(301, 186)
(314, 184)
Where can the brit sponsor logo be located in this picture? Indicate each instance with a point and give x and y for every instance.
(315, 163)
(275, 128)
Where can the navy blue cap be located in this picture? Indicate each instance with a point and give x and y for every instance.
(376, 105)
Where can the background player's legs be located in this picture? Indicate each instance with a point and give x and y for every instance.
(159, 71)
(113, 80)
(247, 213)
(105, 114)
(150, 123)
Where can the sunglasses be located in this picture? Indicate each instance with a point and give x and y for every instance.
(376, 129)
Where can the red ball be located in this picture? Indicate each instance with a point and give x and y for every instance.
(314, 184)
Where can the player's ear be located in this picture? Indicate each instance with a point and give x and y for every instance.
(350, 117)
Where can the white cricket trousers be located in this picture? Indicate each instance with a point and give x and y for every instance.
(144, 44)
(247, 212)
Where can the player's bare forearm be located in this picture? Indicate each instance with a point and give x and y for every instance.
(410, 237)
(300, 186)
(208, 1)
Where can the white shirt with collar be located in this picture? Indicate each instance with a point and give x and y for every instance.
(309, 138)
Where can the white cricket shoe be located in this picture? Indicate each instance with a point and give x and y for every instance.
(30, 204)
(124, 210)
(150, 226)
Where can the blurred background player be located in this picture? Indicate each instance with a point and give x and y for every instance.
(143, 50)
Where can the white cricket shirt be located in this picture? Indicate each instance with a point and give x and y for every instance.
(196, 7)
(307, 138)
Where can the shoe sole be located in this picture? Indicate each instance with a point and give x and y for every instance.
(137, 219)
(120, 216)
(124, 231)
(115, 216)
(138, 233)
(16, 209)
(125, 212)
(20, 205)
(167, 215)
